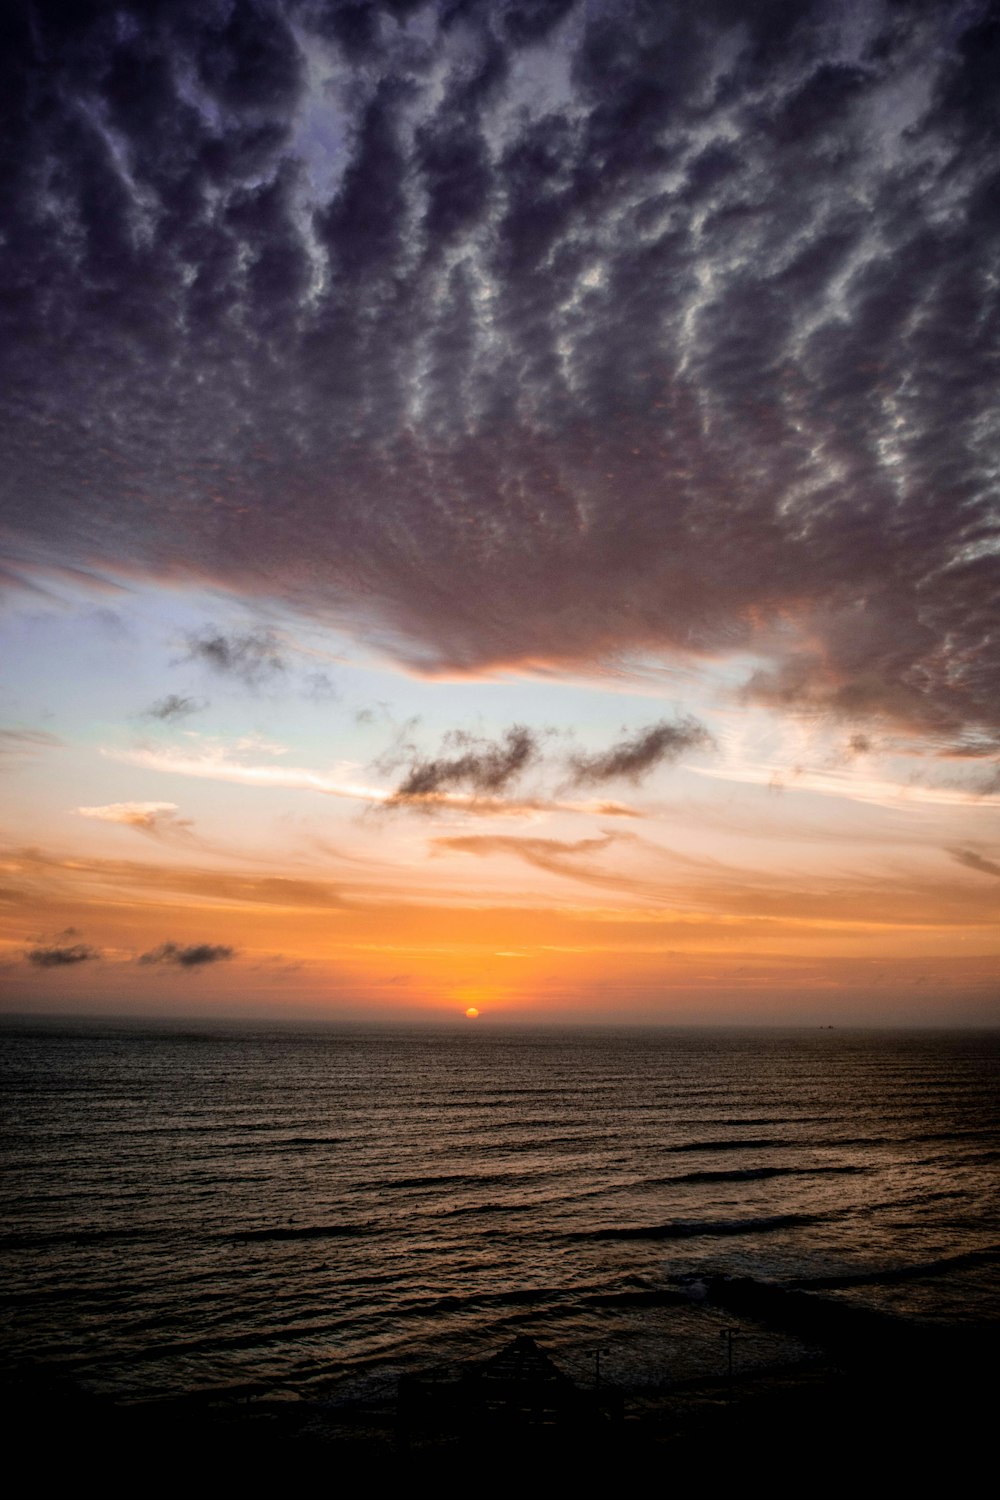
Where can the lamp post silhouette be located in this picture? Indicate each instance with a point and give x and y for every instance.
(597, 1362)
(729, 1334)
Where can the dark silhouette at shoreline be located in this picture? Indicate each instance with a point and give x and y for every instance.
(897, 1398)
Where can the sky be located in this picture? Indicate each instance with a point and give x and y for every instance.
(499, 510)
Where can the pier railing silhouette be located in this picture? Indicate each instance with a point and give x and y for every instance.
(517, 1395)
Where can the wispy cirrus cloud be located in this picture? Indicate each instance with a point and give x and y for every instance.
(973, 861)
(690, 886)
(856, 788)
(214, 764)
(24, 744)
(204, 885)
(159, 819)
(572, 858)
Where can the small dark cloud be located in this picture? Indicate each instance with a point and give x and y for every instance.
(320, 687)
(193, 957)
(253, 656)
(374, 712)
(61, 956)
(634, 757)
(174, 707)
(852, 749)
(483, 767)
(973, 861)
(111, 623)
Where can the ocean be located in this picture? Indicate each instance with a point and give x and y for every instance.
(315, 1212)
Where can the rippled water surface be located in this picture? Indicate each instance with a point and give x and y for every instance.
(321, 1210)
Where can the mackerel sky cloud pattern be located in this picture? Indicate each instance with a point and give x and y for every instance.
(524, 333)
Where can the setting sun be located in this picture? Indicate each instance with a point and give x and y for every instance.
(472, 1012)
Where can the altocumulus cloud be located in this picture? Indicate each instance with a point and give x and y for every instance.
(195, 956)
(529, 333)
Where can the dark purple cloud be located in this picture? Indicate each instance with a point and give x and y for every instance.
(173, 707)
(523, 332)
(195, 956)
(484, 767)
(61, 956)
(252, 656)
(973, 861)
(640, 753)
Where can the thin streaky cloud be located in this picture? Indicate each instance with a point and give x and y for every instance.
(160, 819)
(569, 858)
(204, 884)
(27, 742)
(215, 766)
(973, 861)
(888, 794)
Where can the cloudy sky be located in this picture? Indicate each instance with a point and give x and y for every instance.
(499, 509)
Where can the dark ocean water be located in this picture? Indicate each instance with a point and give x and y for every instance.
(320, 1211)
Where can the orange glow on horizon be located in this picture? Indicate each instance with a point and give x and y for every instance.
(723, 941)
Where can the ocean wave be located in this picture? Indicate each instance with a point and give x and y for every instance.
(41, 1239)
(687, 1229)
(753, 1174)
(886, 1275)
(738, 1143)
(300, 1232)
